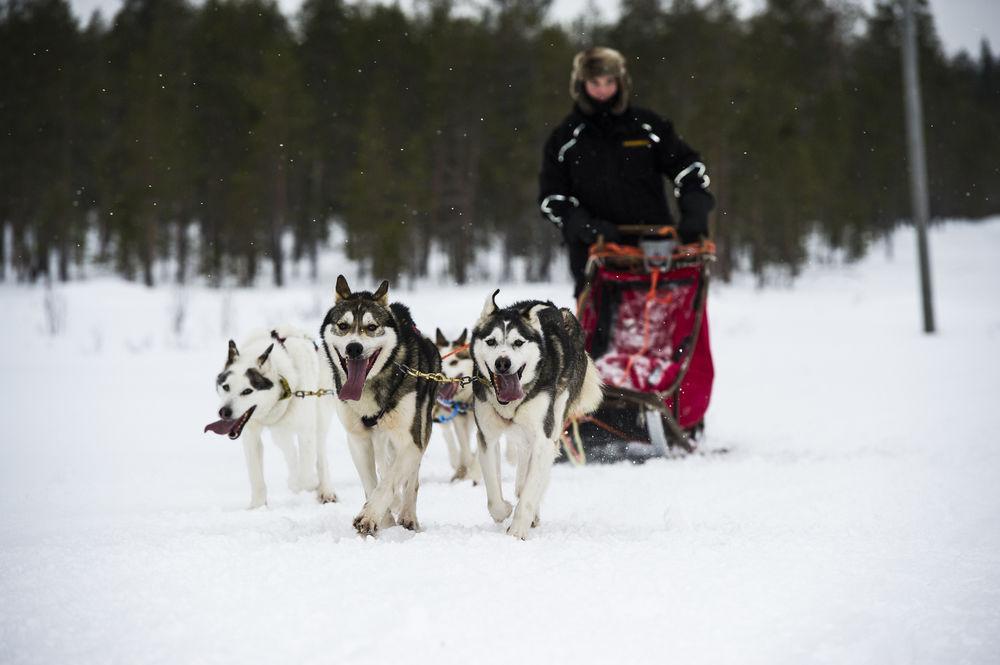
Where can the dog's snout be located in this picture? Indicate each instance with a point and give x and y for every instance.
(225, 413)
(502, 364)
(354, 350)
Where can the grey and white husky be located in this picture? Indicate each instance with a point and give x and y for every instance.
(454, 408)
(386, 412)
(255, 388)
(532, 373)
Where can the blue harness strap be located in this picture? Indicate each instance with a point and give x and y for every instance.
(455, 409)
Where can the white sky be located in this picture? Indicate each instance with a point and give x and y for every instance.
(961, 23)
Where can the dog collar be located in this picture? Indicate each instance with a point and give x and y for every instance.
(286, 390)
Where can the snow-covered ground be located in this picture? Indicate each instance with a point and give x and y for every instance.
(855, 520)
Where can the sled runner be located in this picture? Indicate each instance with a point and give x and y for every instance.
(643, 312)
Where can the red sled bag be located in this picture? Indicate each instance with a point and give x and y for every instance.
(643, 312)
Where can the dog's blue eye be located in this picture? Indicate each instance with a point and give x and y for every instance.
(342, 326)
(372, 328)
(491, 342)
(246, 392)
(519, 343)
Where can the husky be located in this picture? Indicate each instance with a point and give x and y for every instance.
(532, 372)
(386, 412)
(256, 392)
(454, 408)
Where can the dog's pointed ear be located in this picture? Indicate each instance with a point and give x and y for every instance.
(461, 339)
(441, 339)
(531, 316)
(233, 353)
(342, 290)
(264, 356)
(382, 293)
(490, 306)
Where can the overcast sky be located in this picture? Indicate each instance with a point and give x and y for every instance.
(961, 23)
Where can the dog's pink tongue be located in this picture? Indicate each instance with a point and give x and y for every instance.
(508, 387)
(221, 426)
(448, 390)
(357, 371)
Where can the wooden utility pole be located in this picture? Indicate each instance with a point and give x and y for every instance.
(918, 158)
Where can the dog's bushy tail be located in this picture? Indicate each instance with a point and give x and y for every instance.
(591, 392)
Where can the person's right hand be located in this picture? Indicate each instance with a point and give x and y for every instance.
(579, 226)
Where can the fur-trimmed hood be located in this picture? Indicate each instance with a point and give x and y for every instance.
(594, 62)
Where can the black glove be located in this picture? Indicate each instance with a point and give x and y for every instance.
(579, 227)
(695, 205)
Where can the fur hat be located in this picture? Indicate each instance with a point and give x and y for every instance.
(594, 62)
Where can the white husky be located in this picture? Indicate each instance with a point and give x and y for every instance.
(256, 388)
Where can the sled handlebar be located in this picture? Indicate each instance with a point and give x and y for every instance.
(649, 230)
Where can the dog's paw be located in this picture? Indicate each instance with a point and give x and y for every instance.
(365, 525)
(460, 474)
(535, 522)
(500, 511)
(409, 523)
(518, 530)
(326, 496)
(257, 502)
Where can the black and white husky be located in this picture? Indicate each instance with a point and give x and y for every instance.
(532, 373)
(386, 412)
(255, 388)
(454, 408)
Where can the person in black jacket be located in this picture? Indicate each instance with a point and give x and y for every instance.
(604, 164)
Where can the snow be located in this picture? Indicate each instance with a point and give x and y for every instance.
(855, 519)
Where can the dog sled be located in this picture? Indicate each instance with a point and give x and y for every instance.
(643, 313)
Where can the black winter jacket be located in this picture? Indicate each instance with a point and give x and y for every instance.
(611, 167)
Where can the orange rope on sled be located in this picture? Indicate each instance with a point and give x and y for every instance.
(604, 426)
(612, 250)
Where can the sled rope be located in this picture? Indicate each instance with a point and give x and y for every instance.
(573, 444)
(604, 426)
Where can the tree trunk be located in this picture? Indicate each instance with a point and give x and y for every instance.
(3, 253)
(183, 249)
(278, 214)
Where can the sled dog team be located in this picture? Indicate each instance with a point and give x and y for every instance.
(529, 372)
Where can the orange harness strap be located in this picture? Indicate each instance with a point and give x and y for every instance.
(454, 351)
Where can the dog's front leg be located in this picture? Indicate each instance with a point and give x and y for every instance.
(408, 510)
(308, 477)
(489, 458)
(454, 450)
(253, 450)
(464, 426)
(324, 491)
(405, 464)
(467, 454)
(363, 455)
(541, 453)
(285, 441)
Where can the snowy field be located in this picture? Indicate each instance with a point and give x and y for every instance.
(855, 520)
